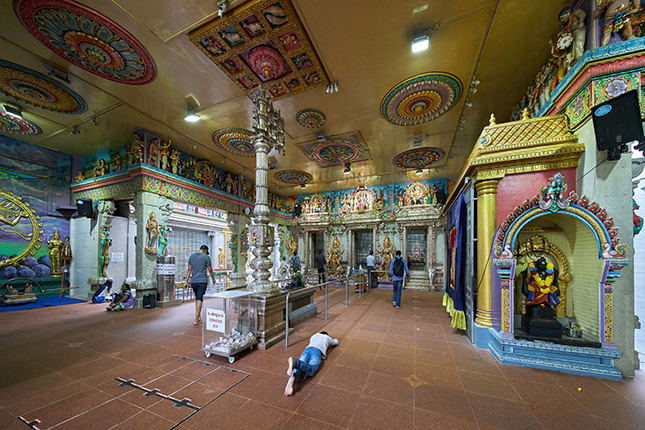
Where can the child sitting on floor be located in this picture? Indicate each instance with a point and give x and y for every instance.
(124, 300)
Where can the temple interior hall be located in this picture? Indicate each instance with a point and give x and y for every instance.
(294, 214)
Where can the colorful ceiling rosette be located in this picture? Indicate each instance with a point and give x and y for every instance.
(15, 124)
(235, 140)
(335, 150)
(265, 42)
(87, 39)
(294, 177)
(311, 118)
(418, 158)
(421, 98)
(36, 89)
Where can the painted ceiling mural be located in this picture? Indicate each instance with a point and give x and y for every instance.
(265, 43)
(235, 140)
(36, 89)
(335, 150)
(15, 124)
(87, 39)
(294, 177)
(421, 98)
(311, 118)
(418, 158)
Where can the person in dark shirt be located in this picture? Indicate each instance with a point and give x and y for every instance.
(320, 264)
(199, 266)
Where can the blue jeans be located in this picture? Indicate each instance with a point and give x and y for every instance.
(398, 287)
(308, 363)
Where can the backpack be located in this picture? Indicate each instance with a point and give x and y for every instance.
(398, 267)
(295, 263)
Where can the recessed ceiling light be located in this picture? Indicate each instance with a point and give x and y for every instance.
(421, 41)
(191, 116)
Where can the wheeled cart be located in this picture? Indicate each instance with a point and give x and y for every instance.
(229, 323)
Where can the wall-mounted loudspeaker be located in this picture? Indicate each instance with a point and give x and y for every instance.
(85, 208)
(297, 209)
(616, 123)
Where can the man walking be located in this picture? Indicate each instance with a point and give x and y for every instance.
(320, 264)
(370, 268)
(294, 263)
(199, 265)
(398, 267)
(309, 360)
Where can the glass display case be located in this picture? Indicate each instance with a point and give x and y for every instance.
(229, 323)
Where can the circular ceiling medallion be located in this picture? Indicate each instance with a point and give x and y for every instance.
(266, 62)
(311, 118)
(87, 39)
(336, 151)
(421, 98)
(295, 177)
(39, 90)
(418, 158)
(235, 140)
(15, 124)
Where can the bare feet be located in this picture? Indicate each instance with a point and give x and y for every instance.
(199, 321)
(288, 390)
(291, 364)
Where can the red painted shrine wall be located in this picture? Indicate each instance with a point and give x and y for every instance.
(515, 189)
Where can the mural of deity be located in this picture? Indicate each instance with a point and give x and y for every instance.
(152, 234)
(345, 203)
(162, 249)
(333, 262)
(331, 203)
(106, 242)
(398, 198)
(387, 254)
(292, 244)
(55, 246)
(203, 173)
(379, 202)
(362, 199)
(317, 204)
(415, 194)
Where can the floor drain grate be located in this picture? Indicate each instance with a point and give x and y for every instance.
(185, 402)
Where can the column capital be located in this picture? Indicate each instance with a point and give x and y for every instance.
(488, 186)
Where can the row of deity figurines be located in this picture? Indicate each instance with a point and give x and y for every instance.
(622, 17)
(363, 199)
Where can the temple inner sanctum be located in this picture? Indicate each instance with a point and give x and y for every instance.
(206, 207)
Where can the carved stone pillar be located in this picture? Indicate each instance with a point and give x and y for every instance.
(486, 222)
(146, 203)
(104, 220)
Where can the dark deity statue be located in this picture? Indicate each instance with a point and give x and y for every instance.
(540, 286)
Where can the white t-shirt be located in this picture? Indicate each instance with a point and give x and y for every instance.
(322, 342)
(370, 261)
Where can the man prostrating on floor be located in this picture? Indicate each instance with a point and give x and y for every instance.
(310, 360)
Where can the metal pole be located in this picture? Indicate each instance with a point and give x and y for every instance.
(286, 317)
(347, 291)
(325, 302)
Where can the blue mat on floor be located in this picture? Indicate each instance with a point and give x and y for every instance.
(42, 303)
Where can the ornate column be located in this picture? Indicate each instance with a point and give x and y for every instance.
(486, 222)
(268, 129)
(103, 221)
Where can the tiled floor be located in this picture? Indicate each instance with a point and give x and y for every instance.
(393, 369)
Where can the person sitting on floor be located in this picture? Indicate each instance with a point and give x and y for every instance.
(309, 360)
(123, 300)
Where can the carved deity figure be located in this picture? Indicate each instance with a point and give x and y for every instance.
(174, 161)
(221, 258)
(379, 203)
(292, 244)
(229, 184)
(100, 168)
(66, 252)
(153, 153)
(162, 249)
(80, 176)
(232, 245)
(135, 150)
(618, 15)
(106, 242)
(118, 162)
(55, 246)
(152, 234)
(164, 152)
(387, 254)
(540, 284)
(333, 262)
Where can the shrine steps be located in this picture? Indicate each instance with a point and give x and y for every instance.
(597, 362)
(419, 280)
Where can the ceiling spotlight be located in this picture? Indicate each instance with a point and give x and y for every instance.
(320, 137)
(332, 87)
(419, 172)
(348, 169)
(460, 128)
(75, 131)
(436, 170)
(454, 147)
(303, 185)
(222, 5)
(474, 82)
(95, 122)
(421, 40)
(450, 157)
(469, 104)
(191, 116)
(462, 120)
(473, 90)
(12, 110)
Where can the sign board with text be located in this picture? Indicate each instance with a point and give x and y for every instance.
(216, 320)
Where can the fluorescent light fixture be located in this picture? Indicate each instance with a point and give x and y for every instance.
(12, 110)
(191, 116)
(347, 170)
(420, 42)
(419, 172)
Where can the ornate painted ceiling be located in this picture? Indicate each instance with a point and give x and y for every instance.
(136, 64)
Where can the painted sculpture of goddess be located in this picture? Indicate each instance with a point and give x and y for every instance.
(55, 246)
(618, 15)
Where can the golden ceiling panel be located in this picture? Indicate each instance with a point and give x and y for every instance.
(264, 42)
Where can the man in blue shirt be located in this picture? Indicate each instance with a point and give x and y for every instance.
(199, 266)
(398, 267)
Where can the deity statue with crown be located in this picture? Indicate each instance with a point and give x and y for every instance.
(333, 262)
(387, 254)
(540, 286)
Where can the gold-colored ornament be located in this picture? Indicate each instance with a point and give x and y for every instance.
(12, 211)
(55, 246)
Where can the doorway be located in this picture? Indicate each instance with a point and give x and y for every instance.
(362, 246)
(416, 248)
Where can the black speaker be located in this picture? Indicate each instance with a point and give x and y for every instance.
(441, 197)
(85, 208)
(617, 122)
(297, 209)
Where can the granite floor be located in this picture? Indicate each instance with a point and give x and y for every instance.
(394, 369)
